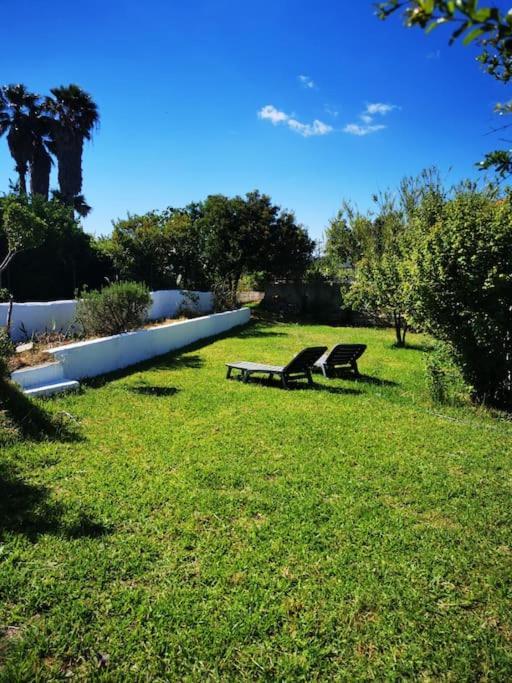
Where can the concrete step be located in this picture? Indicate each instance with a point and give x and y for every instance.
(53, 388)
(47, 373)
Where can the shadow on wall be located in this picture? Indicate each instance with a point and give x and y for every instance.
(27, 509)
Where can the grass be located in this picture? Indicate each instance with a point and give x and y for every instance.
(196, 528)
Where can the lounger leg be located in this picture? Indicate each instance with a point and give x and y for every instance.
(270, 377)
(228, 373)
(355, 368)
(310, 378)
(245, 376)
(284, 382)
(324, 371)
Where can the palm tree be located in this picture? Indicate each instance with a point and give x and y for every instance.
(74, 115)
(16, 106)
(80, 206)
(41, 161)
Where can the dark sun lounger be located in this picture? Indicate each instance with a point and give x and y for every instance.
(298, 368)
(342, 355)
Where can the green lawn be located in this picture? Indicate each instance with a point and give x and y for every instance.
(198, 528)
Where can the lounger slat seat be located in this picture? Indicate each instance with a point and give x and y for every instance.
(298, 368)
(342, 355)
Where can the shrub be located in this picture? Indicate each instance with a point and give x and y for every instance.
(120, 307)
(189, 306)
(7, 349)
(445, 382)
(224, 297)
(462, 290)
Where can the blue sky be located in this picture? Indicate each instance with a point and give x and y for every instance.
(206, 96)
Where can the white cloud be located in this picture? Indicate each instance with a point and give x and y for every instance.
(306, 81)
(367, 117)
(379, 108)
(270, 113)
(307, 130)
(357, 129)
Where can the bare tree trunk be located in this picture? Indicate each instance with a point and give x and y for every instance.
(9, 315)
(400, 328)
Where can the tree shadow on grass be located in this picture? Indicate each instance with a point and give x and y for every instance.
(27, 509)
(30, 421)
(299, 385)
(423, 348)
(151, 390)
(257, 328)
(169, 361)
(364, 379)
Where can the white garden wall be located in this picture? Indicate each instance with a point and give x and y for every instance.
(38, 316)
(47, 316)
(99, 356)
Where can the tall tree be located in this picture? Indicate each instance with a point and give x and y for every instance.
(16, 107)
(74, 117)
(40, 161)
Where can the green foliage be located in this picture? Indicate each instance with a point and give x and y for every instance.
(220, 239)
(490, 28)
(161, 249)
(189, 306)
(445, 383)
(224, 296)
(67, 259)
(20, 228)
(7, 349)
(370, 249)
(253, 282)
(462, 288)
(243, 235)
(118, 308)
(5, 295)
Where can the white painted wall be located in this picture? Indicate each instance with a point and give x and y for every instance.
(38, 316)
(99, 356)
(167, 302)
(58, 316)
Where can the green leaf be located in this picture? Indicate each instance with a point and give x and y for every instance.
(472, 36)
(482, 14)
(435, 24)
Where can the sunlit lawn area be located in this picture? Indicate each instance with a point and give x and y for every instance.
(201, 528)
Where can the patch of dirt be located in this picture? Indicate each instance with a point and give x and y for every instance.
(28, 358)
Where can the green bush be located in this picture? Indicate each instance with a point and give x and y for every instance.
(118, 308)
(445, 382)
(462, 289)
(224, 297)
(189, 307)
(7, 349)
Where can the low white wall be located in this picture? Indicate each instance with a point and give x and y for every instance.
(58, 316)
(38, 316)
(167, 302)
(99, 356)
